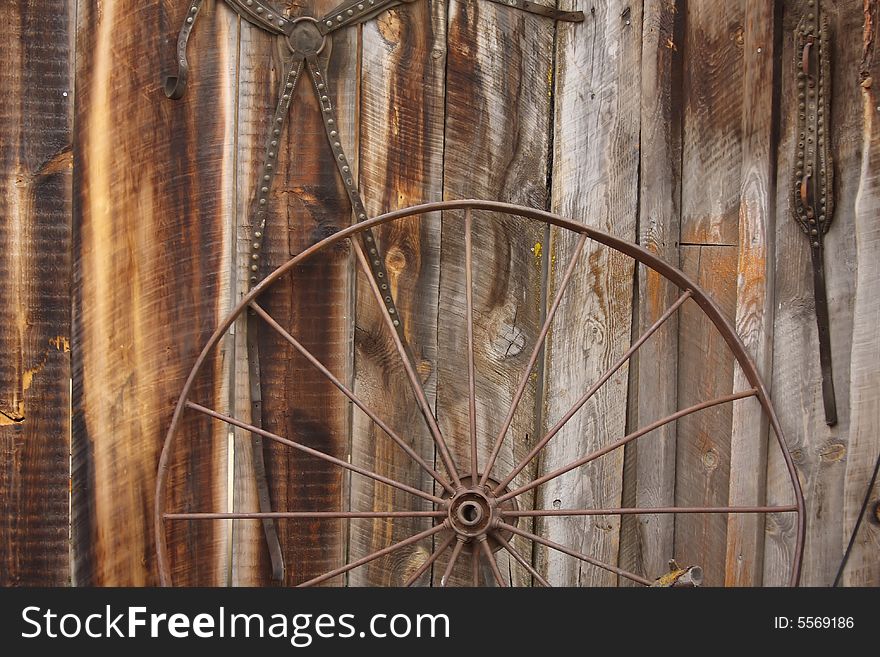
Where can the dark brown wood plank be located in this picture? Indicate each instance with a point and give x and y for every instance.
(152, 233)
(36, 110)
(863, 567)
(401, 164)
(313, 303)
(705, 371)
(754, 296)
(497, 132)
(820, 452)
(595, 181)
(646, 541)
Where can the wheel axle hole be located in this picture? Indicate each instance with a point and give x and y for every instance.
(470, 513)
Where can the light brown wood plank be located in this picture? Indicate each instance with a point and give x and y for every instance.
(820, 452)
(646, 541)
(497, 130)
(863, 567)
(595, 181)
(754, 295)
(705, 371)
(153, 181)
(36, 111)
(401, 164)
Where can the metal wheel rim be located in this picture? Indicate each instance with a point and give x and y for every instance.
(637, 253)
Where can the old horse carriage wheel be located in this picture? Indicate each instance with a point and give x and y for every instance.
(473, 506)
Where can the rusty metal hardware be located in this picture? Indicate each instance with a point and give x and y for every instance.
(477, 513)
(812, 185)
(306, 38)
(175, 85)
(678, 577)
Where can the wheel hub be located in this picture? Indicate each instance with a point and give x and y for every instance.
(474, 511)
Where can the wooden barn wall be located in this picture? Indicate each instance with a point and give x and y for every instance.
(126, 228)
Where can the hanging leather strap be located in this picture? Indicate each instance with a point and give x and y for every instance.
(175, 85)
(812, 188)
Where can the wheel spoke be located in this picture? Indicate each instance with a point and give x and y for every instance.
(348, 393)
(633, 511)
(415, 383)
(626, 439)
(593, 389)
(533, 358)
(475, 568)
(484, 544)
(375, 555)
(313, 452)
(434, 555)
(456, 551)
(469, 295)
(576, 555)
(309, 515)
(521, 559)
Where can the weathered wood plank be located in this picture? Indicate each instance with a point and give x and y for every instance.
(646, 541)
(256, 97)
(754, 294)
(313, 303)
(713, 107)
(819, 451)
(401, 162)
(497, 131)
(710, 200)
(36, 111)
(863, 567)
(595, 180)
(152, 185)
(705, 371)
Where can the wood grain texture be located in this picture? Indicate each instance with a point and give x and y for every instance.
(152, 230)
(754, 294)
(595, 180)
(713, 107)
(819, 452)
(710, 200)
(313, 302)
(705, 372)
(256, 96)
(401, 164)
(36, 111)
(646, 541)
(863, 568)
(499, 63)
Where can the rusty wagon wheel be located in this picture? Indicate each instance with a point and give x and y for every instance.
(473, 508)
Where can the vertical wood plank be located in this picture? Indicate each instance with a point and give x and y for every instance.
(819, 451)
(35, 202)
(153, 190)
(705, 371)
(863, 568)
(595, 180)
(499, 66)
(710, 198)
(754, 295)
(647, 541)
(401, 164)
(313, 303)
